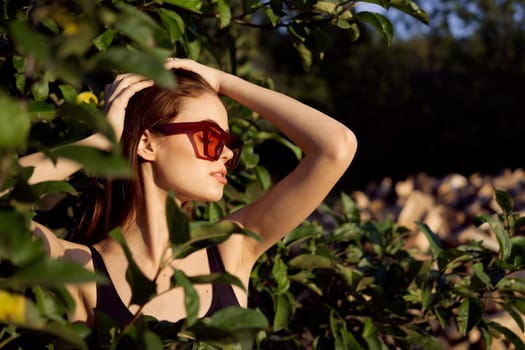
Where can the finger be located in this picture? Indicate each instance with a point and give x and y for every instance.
(182, 63)
(120, 97)
(120, 82)
(131, 83)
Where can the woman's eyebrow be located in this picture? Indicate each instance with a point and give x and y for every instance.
(214, 122)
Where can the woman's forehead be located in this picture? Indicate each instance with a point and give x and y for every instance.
(204, 107)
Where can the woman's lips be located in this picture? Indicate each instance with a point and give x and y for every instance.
(221, 176)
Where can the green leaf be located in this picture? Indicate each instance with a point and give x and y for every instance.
(19, 64)
(284, 310)
(280, 276)
(40, 89)
(51, 272)
(40, 110)
(470, 312)
(69, 93)
(49, 306)
(302, 232)
(504, 200)
(235, 319)
(191, 298)
(139, 26)
(42, 188)
(229, 328)
(178, 222)
(347, 340)
(190, 5)
(152, 341)
(290, 145)
(225, 14)
(311, 261)
(501, 235)
(519, 304)
(143, 289)
(104, 329)
(95, 161)
(263, 177)
(342, 337)
(519, 223)
(28, 41)
(451, 258)
(379, 22)
(14, 123)
(146, 63)
(370, 331)
(104, 40)
(479, 272)
(220, 278)
(306, 55)
(509, 283)
(348, 208)
(433, 239)
(173, 23)
(87, 115)
(200, 229)
(351, 275)
(249, 158)
(205, 234)
(516, 316)
(485, 333)
(274, 19)
(408, 6)
(193, 45)
(214, 212)
(72, 333)
(16, 243)
(514, 339)
(305, 277)
(20, 82)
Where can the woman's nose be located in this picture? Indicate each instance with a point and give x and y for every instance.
(226, 154)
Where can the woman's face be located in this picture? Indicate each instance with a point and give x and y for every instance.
(176, 166)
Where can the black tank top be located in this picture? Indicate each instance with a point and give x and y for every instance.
(109, 302)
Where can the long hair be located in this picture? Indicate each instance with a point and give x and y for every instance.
(117, 200)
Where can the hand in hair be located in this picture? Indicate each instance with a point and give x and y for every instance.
(117, 95)
(211, 75)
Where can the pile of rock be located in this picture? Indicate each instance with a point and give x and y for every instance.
(449, 206)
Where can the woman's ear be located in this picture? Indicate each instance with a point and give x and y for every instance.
(147, 146)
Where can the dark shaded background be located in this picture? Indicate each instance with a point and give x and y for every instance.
(433, 101)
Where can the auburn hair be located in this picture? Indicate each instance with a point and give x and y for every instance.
(113, 202)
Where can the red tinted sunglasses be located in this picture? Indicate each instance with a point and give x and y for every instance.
(207, 138)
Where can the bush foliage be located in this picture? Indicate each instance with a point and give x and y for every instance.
(349, 285)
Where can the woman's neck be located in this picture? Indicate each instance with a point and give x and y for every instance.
(147, 232)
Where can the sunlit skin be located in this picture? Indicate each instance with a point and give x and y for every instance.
(170, 163)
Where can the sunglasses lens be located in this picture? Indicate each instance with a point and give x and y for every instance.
(199, 143)
(213, 144)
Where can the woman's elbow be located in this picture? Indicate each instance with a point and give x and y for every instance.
(344, 147)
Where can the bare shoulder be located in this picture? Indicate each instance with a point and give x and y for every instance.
(60, 248)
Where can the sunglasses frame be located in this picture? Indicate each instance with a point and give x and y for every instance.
(208, 128)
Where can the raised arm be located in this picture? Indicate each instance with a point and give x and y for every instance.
(117, 96)
(329, 148)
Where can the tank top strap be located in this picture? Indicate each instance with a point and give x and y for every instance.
(108, 300)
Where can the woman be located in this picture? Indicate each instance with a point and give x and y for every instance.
(162, 136)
